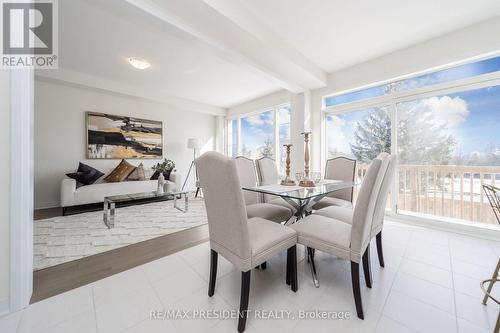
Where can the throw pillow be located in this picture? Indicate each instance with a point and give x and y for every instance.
(166, 174)
(138, 173)
(85, 175)
(121, 172)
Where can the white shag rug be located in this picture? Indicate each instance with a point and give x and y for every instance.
(66, 238)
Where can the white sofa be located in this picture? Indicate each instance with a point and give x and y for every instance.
(95, 193)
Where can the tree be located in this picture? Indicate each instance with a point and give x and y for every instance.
(420, 139)
(372, 136)
(245, 151)
(267, 150)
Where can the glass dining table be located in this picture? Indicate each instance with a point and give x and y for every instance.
(302, 199)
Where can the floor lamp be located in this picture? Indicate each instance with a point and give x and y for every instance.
(192, 144)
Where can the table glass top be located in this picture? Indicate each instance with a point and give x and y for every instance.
(140, 196)
(322, 188)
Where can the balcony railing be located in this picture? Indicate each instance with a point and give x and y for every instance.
(451, 191)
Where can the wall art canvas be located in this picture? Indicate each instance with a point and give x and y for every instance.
(111, 136)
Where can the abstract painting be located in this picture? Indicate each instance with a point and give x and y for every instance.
(111, 136)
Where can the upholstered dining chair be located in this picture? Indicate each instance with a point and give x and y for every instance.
(267, 171)
(347, 241)
(253, 200)
(244, 242)
(345, 214)
(339, 168)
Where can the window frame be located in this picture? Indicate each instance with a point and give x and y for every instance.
(274, 109)
(395, 97)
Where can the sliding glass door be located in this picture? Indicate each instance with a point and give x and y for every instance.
(448, 147)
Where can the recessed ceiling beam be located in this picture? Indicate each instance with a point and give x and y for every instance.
(97, 83)
(229, 27)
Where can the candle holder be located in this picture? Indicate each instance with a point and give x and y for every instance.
(287, 181)
(306, 182)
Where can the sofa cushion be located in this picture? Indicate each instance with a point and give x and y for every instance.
(138, 173)
(121, 172)
(85, 175)
(166, 174)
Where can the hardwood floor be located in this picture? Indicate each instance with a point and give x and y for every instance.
(47, 213)
(55, 280)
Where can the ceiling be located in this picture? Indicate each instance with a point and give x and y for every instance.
(225, 52)
(336, 34)
(97, 39)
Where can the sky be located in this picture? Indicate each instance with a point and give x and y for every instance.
(256, 129)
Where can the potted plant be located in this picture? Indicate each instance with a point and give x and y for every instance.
(162, 168)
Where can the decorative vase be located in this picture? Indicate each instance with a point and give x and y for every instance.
(161, 184)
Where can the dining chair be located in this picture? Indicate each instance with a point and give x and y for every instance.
(345, 214)
(347, 241)
(267, 171)
(339, 168)
(244, 242)
(253, 200)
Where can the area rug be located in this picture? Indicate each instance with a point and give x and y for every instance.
(66, 238)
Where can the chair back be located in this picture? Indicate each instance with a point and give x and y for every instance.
(378, 215)
(341, 168)
(268, 174)
(226, 212)
(248, 177)
(364, 209)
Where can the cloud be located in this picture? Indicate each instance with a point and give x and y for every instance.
(336, 138)
(445, 110)
(265, 118)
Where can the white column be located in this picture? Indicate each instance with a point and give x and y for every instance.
(318, 138)
(21, 188)
(300, 122)
(220, 133)
(4, 190)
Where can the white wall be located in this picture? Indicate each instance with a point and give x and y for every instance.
(60, 132)
(4, 189)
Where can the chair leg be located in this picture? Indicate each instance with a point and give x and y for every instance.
(367, 267)
(310, 255)
(292, 267)
(245, 293)
(379, 249)
(197, 191)
(213, 272)
(356, 290)
(288, 281)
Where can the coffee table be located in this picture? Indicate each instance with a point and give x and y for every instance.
(140, 198)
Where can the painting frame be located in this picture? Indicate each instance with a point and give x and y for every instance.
(156, 153)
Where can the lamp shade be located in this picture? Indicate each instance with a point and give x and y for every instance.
(193, 143)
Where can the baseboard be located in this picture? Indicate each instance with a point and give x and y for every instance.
(4, 307)
(484, 231)
(46, 205)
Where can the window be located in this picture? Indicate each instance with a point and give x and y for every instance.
(443, 76)
(361, 133)
(448, 146)
(284, 115)
(356, 96)
(233, 138)
(257, 135)
(261, 134)
(452, 74)
(446, 140)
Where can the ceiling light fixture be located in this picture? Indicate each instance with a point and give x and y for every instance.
(138, 63)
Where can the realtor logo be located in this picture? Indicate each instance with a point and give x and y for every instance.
(29, 34)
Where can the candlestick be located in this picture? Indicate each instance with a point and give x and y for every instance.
(287, 181)
(306, 182)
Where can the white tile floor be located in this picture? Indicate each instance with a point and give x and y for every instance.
(430, 284)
